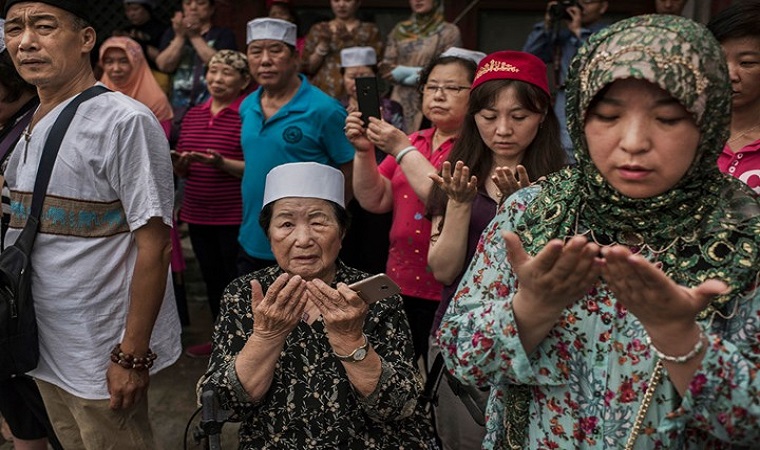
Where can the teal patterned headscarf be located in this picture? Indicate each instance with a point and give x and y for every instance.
(706, 226)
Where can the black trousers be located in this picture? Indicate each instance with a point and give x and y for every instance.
(22, 407)
(420, 312)
(216, 249)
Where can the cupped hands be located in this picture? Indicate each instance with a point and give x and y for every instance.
(509, 181)
(278, 312)
(458, 185)
(665, 309)
(560, 274)
(343, 311)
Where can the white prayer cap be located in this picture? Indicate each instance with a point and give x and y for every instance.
(358, 56)
(268, 28)
(463, 53)
(304, 180)
(2, 35)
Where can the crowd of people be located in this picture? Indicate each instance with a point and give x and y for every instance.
(576, 249)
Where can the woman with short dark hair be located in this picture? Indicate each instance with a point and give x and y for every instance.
(401, 182)
(299, 357)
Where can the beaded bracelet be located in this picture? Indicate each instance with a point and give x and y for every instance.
(403, 153)
(700, 345)
(129, 361)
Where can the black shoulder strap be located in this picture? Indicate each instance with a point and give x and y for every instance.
(53, 144)
(430, 393)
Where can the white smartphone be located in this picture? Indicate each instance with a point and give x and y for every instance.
(375, 288)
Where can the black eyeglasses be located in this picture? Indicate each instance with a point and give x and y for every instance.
(448, 89)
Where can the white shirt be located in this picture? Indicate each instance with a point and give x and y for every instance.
(112, 174)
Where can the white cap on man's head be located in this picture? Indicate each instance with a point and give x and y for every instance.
(268, 28)
(458, 52)
(304, 180)
(2, 35)
(358, 56)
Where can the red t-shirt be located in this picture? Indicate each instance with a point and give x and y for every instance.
(410, 230)
(744, 164)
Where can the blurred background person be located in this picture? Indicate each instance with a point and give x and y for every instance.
(21, 405)
(737, 30)
(325, 40)
(125, 69)
(356, 62)
(674, 7)
(510, 137)
(285, 10)
(410, 46)
(210, 160)
(556, 40)
(186, 48)
(147, 31)
(401, 183)
(365, 246)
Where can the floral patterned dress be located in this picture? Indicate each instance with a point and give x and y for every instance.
(311, 404)
(588, 376)
(328, 77)
(417, 52)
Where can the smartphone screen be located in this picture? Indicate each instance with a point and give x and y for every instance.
(368, 98)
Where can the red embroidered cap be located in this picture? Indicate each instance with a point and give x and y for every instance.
(512, 65)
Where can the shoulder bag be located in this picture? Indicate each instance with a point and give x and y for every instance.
(19, 345)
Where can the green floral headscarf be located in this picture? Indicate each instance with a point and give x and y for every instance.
(707, 226)
(420, 26)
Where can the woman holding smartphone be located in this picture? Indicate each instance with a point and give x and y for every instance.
(401, 184)
(300, 358)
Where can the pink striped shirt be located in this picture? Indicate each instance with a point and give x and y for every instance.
(212, 196)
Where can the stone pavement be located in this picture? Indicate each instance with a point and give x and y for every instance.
(172, 397)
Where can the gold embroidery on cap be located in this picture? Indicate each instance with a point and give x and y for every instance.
(496, 66)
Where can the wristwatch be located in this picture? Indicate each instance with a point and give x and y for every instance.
(357, 355)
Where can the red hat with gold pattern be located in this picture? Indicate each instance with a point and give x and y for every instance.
(512, 65)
